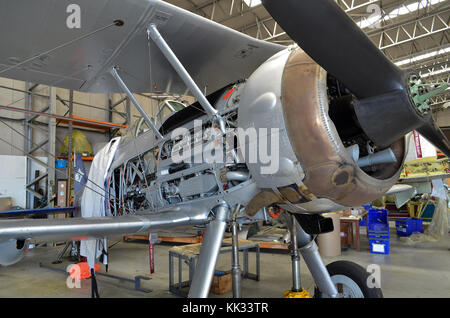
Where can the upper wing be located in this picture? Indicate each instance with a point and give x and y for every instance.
(213, 54)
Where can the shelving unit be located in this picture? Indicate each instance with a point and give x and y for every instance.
(31, 115)
(91, 123)
(85, 158)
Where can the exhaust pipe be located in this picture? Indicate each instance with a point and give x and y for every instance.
(353, 152)
(385, 156)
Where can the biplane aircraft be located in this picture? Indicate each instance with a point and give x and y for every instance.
(310, 128)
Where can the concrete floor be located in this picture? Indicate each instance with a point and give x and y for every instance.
(408, 271)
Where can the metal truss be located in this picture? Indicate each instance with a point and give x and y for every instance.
(31, 148)
(426, 22)
(269, 30)
(384, 38)
(436, 72)
(411, 30)
(230, 9)
(398, 32)
(437, 101)
(125, 101)
(420, 60)
(440, 100)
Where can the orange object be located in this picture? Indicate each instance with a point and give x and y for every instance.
(90, 123)
(273, 245)
(77, 121)
(84, 158)
(82, 271)
(275, 215)
(229, 93)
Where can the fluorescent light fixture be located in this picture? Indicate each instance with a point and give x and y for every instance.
(252, 3)
(402, 10)
(405, 9)
(423, 56)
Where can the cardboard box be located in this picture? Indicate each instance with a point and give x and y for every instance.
(5, 204)
(221, 284)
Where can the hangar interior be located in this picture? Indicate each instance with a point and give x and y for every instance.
(50, 135)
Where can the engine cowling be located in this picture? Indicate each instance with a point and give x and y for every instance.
(290, 92)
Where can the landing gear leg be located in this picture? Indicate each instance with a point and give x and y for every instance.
(236, 270)
(338, 279)
(296, 284)
(310, 252)
(209, 252)
(297, 291)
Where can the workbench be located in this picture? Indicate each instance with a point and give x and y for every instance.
(190, 253)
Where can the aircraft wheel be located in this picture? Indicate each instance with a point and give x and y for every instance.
(350, 280)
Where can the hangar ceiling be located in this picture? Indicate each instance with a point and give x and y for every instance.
(411, 33)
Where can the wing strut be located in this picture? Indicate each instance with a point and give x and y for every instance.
(135, 102)
(154, 34)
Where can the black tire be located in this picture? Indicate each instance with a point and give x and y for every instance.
(354, 272)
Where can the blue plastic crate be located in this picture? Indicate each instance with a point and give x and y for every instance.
(379, 246)
(363, 222)
(61, 163)
(378, 222)
(408, 226)
(378, 235)
(419, 225)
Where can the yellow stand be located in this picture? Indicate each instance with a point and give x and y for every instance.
(416, 208)
(292, 294)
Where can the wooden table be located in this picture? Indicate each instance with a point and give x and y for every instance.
(350, 221)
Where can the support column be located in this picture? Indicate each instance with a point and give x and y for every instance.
(296, 284)
(235, 268)
(70, 164)
(27, 145)
(110, 114)
(129, 121)
(51, 148)
(209, 252)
